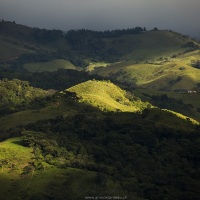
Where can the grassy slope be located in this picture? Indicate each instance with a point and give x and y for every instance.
(162, 75)
(16, 40)
(156, 68)
(163, 78)
(106, 96)
(52, 65)
(16, 155)
(137, 47)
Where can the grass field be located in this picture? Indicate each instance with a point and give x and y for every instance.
(50, 66)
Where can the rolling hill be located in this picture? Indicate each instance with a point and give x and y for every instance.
(76, 136)
(82, 45)
(107, 96)
(164, 74)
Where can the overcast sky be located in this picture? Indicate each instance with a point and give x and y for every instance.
(179, 15)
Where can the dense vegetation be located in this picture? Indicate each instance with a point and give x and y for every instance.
(16, 95)
(149, 155)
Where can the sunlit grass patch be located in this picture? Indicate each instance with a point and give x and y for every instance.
(13, 155)
(107, 96)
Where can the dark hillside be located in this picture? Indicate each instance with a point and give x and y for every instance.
(82, 46)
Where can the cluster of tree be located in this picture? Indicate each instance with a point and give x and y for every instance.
(191, 45)
(44, 35)
(17, 95)
(3, 23)
(104, 34)
(91, 44)
(88, 46)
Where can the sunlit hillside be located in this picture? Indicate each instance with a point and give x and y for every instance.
(165, 74)
(107, 96)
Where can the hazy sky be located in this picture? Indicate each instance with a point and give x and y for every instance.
(179, 15)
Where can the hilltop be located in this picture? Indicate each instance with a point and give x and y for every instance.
(107, 96)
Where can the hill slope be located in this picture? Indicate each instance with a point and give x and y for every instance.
(83, 45)
(170, 74)
(107, 96)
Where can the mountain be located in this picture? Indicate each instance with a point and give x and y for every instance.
(103, 114)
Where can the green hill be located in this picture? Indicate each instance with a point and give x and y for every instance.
(19, 40)
(147, 45)
(107, 96)
(174, 76)
(164, 74)
(82, 46)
